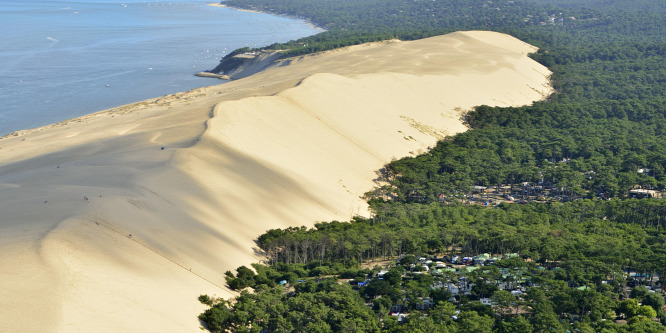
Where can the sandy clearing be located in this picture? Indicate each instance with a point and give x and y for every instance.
(289, 146)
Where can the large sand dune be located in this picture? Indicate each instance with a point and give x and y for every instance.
(289, 146)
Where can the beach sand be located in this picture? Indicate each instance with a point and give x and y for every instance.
(195, 177)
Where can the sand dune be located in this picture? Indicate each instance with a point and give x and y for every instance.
(289, 146)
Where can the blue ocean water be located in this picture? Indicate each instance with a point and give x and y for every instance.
(63, 59)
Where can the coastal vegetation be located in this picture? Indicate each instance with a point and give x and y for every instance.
(570, 266)
(584, 257)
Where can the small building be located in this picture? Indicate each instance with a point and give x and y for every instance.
(425, 304)
(643, 193)
(437, 285)
(492, 260)
(481, 259)
(479, 189)
(452, 288)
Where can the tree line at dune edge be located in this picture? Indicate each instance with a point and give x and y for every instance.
(586, 257)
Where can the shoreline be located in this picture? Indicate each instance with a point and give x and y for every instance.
(207, 75)
(269, 13)
(23, 114)
(163, 100)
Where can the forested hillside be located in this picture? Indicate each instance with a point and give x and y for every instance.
(538, 22)
(579, 254)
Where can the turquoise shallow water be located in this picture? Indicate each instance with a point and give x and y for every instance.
(63, 59)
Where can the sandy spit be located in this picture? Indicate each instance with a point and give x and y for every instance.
(195, 177)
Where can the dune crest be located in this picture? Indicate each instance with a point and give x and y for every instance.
(117, 221)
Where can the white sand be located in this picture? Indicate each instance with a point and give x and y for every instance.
(289, 146)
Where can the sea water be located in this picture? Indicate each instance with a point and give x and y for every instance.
(64, 59)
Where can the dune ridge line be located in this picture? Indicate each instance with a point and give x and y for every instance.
(195, 177)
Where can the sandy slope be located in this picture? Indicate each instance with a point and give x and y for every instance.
(292, 145)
